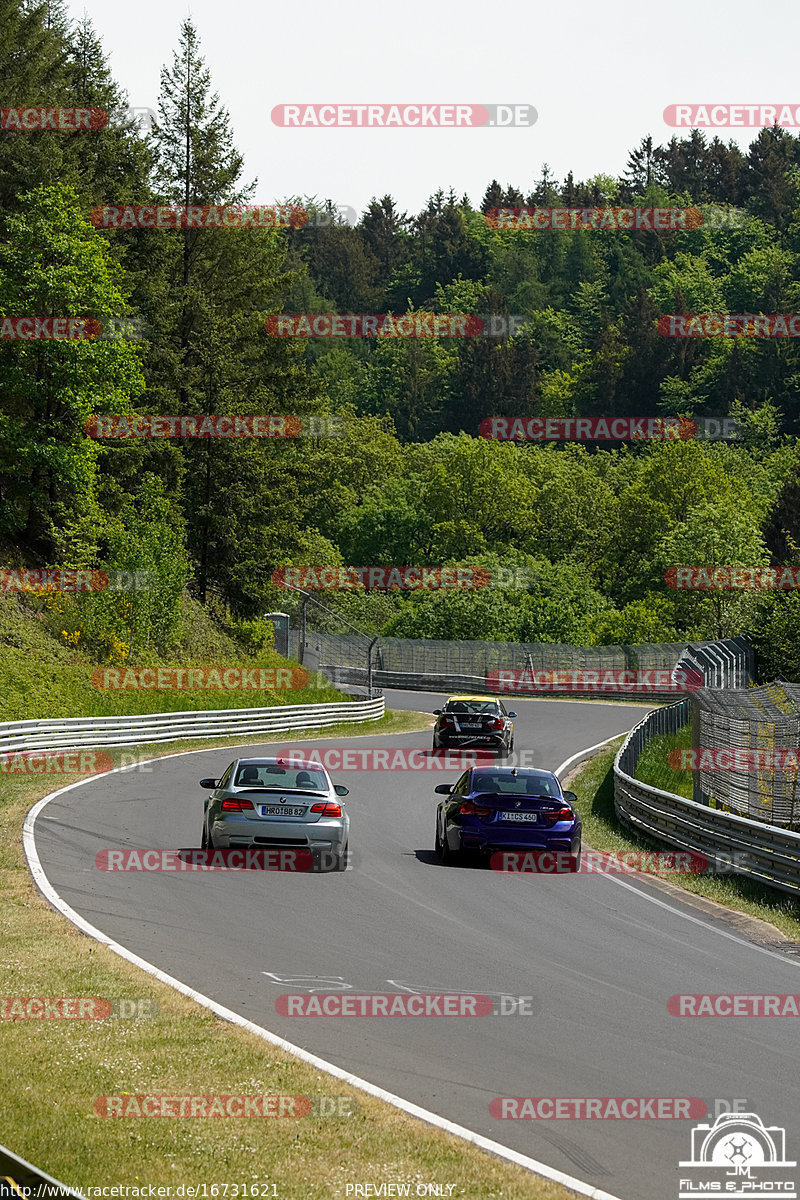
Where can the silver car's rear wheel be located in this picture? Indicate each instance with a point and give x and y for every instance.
(204, 838)
(341, 859)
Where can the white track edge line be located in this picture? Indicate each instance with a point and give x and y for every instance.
(227, 1014)
(644, 892)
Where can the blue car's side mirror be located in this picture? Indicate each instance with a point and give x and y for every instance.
(571, 797)
(443, 789)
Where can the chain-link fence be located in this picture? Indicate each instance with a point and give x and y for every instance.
(520, 666)
(731, 843)
(746, 752)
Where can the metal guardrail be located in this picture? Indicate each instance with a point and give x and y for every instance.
(737, 844)
(431, 665)
(16, 736)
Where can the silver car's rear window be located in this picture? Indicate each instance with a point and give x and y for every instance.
(271, 775)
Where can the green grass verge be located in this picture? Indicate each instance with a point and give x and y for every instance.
(52, 1071)
(43, 676)
(653, 765)
(594, 787)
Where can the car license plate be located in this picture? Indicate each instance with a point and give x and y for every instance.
(519, 816)
(470, 725)
(281, 810)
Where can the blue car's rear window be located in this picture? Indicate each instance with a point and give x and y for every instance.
(524, 783)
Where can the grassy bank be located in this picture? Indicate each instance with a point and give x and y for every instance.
(44, 675)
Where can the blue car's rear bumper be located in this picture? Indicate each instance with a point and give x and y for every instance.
(500, 837)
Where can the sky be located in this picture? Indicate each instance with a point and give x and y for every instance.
(599, 76)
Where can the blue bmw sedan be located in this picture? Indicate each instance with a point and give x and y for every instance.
(506, 808)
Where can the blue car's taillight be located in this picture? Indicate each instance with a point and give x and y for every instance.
(552, 816)
(468, 809)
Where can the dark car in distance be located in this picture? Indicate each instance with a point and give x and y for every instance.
(474, 721)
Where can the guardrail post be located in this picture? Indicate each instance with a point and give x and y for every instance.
(372, 646)
(302, 647)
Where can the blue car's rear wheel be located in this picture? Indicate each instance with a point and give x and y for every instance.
(451, 857)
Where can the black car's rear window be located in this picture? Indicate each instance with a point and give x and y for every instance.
(524, 783)
(472, 706)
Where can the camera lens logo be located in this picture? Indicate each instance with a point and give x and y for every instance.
(737, 1155)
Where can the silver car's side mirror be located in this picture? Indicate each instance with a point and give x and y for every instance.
(209, 783)
(341, 790)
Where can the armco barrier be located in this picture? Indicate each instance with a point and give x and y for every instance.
(164, 727)
(429, 665)
(745, 847)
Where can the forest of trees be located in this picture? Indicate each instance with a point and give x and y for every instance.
(591, 530)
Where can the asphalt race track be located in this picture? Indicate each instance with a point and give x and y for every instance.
(600, 957)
